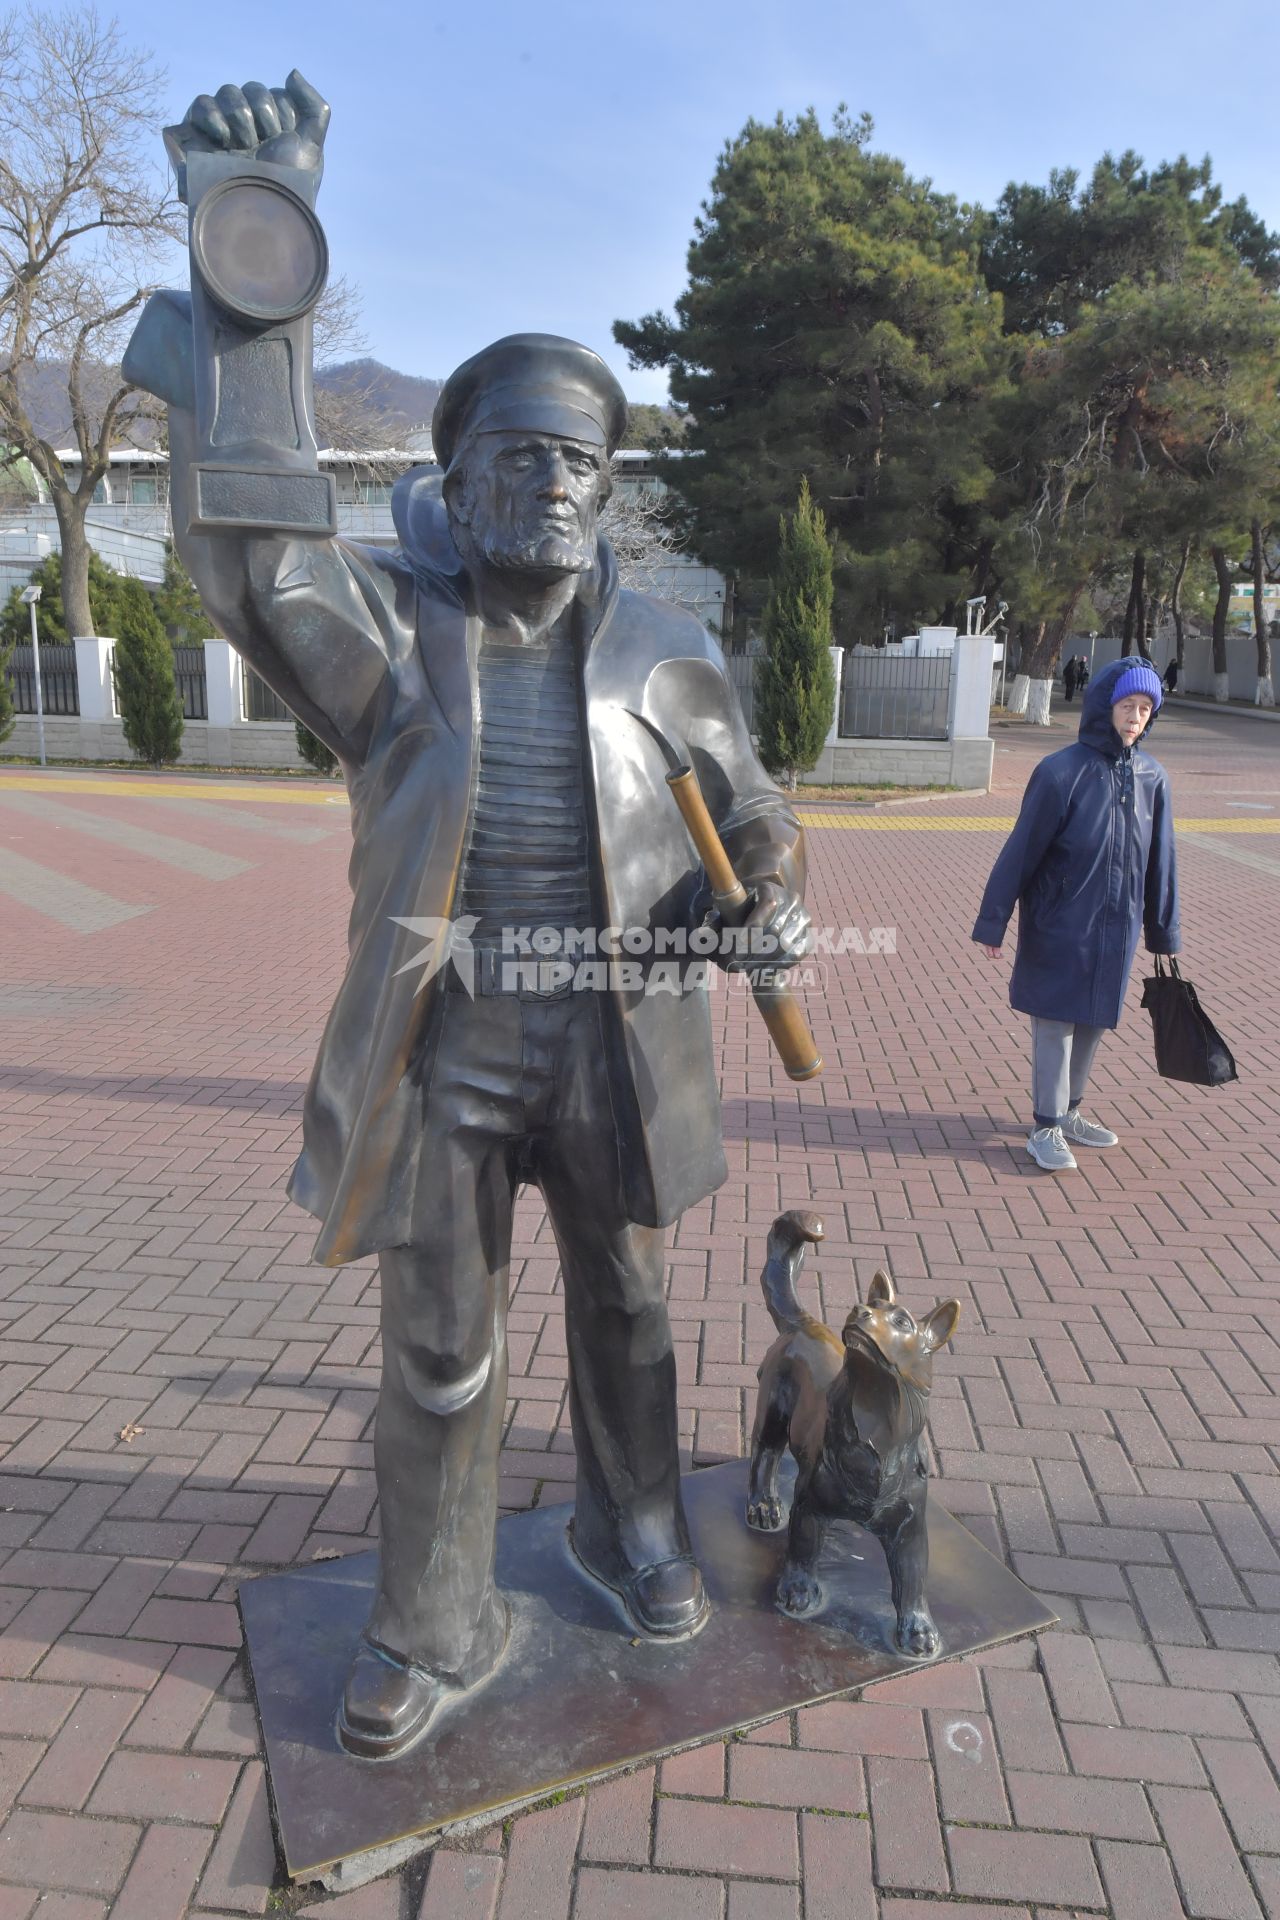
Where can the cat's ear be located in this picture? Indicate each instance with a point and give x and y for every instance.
(880, 1293)
(939, 1325)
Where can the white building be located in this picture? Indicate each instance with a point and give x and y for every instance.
(128, 522)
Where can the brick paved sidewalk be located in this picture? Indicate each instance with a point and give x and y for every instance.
(185, 1401)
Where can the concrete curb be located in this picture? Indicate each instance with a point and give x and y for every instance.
(1179, 703)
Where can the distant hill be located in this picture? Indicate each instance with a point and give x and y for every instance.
(403, 401)
(400, 400)
(43, 390)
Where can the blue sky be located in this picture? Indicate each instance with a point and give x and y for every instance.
(500, 167)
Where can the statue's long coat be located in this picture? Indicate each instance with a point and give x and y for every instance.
(376, 652)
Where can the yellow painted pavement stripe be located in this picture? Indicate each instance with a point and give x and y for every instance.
(998, 823)
(128, 787)
(281, 794)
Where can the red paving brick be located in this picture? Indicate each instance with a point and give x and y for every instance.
(1214, 1884)
(538, 1882)
(619, 1819)
(836, 1868)
(1051, 1869)
(69, 1771)
(464, 1886)
(909, 1851)
(757, 1841)
(624, 1895)
(59, 1852)
(757, 1900)
(777, 1777)
(1106, 1416)
(163, 1874)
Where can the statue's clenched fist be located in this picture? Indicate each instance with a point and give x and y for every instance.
(284, 124)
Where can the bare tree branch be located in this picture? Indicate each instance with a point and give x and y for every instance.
(640, 525)
(86, 214)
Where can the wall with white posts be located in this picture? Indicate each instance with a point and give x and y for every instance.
(965, 759)
(225, 739)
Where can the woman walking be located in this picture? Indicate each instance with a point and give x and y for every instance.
(1090, 866)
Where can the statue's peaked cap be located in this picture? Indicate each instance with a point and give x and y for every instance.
(530, 383)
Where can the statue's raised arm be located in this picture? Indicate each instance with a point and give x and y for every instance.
(254, 514)
(284, 126)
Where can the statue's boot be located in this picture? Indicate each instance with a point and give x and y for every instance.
(629, 1528)
(387, 1704)
(666, 1599)
(438, 1626)
(390, 1702)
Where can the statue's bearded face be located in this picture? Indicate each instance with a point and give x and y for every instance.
(528, 502)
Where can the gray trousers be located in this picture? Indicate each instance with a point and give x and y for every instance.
(1061, 1058)
(518, 1091)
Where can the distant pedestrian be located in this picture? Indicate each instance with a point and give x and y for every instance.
(1082, 673)
(1171, 677)
(1090, 866)
(1069, 679)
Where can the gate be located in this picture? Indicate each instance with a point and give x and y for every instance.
(895, 699)
(742, 672)
(188, 673)
(260, 703)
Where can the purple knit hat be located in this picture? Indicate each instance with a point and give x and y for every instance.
(1139, 679)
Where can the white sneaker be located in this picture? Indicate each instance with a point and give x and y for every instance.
(1087, 1133)
(1049, 1150)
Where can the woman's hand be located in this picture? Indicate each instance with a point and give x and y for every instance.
(992, 953)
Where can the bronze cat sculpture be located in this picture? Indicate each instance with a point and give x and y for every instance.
(852, 1409)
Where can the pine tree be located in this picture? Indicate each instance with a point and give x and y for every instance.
(1141, 416)
(834, 325)
(795, 683)
(146, 691)
(104, 586)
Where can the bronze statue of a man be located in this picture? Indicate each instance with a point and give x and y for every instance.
(493, 699)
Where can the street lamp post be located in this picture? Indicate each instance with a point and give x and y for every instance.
(977, 624)
(29, 596)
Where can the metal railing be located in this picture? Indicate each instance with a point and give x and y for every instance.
(260, 703)
(59, 688)
(193, 691)
(742, 672)
(895, 699)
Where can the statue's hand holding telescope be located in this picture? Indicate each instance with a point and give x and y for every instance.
(773, 930)
(284, 125)
(778, 920)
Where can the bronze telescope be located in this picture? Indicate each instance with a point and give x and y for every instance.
(778, 1007)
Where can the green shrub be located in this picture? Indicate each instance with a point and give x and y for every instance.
(314, 750)
(6, 698)
(146, 691)
(795, 683)
(104, 603)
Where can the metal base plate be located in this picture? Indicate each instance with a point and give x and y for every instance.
(577, 1696)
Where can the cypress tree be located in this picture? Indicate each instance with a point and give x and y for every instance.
(146, 690)
(6, 697)
(314, 750)
(795, 684)
(177, 605)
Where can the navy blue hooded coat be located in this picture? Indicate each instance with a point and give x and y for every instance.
(1090, 865)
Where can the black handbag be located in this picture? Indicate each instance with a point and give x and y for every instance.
(1188, 1045)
